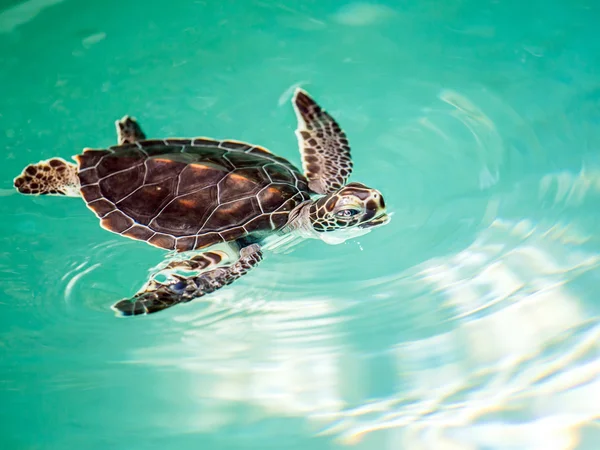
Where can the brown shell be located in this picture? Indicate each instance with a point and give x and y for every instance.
(186, 194)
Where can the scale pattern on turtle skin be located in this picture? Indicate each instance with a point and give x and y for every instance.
(324, 146)
(186, 194)
(159, 296)
(323, 208)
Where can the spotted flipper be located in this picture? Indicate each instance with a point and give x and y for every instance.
(323, 145)
(157, 296)
(129, 131)
(51, 177)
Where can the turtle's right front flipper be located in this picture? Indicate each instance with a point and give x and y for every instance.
(157, 296)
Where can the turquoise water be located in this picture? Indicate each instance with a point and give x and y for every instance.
(471, 321)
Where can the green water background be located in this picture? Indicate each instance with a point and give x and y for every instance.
(468, 115)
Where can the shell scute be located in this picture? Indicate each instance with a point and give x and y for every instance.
(158, 169)
(279, 219)
(116, 221)
(178, 141)
(121, 184)
(91, 193)
(240, 183)
(204, 142)
(90, 157)
(147, 201)
(183, 244)
(102, 207)
(139, 232)
(278, 173)
(275, 195)
(260, 151)
(233, 234)
(184, 215)
(163, 241)
(88, 177)
(199, 176)
(233, 213)
(116, 162)
(235, 145)
(260, 223)
(207, 239)
(241, 160)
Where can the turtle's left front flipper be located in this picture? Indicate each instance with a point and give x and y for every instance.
(157, 296)
(323, 145)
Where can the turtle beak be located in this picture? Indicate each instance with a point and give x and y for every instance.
(376, 215)
(381, 219)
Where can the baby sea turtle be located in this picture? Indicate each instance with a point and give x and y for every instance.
(190, 195)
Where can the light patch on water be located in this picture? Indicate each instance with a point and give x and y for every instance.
(487, 179)
(202, 103)
(538, 52)
(93, 39)
(484, 31)
(363, 14)
(463, 104)
(570, 188)
(427, 123)
(7, 192)
(291, 17)
(340, 236)
(23, 13)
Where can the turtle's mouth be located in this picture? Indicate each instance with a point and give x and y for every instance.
(381, 219)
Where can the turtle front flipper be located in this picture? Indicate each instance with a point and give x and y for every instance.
(323, 145)
(129, 131)
(156, 296)
(51, 177)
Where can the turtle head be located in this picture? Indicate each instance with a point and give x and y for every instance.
(349, 212)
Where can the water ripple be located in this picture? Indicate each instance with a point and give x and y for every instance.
(465, 310)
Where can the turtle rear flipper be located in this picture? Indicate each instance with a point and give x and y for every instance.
(54, 177)
(129, 131)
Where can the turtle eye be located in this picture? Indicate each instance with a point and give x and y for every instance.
(347, 213)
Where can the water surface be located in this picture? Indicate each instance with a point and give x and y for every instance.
(469, 322)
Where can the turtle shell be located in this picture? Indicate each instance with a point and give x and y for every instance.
(187, 194)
